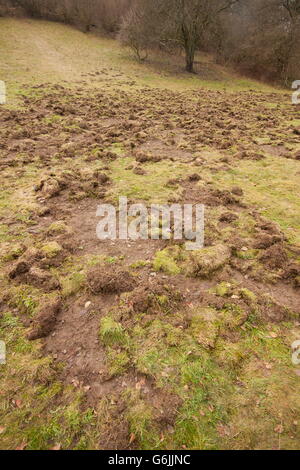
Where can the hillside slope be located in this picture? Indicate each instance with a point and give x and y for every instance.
(143, 344)
(33, 52)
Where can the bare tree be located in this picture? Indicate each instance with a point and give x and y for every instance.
(290, 44)
(181, 22)
(191, 19)
(141, 28)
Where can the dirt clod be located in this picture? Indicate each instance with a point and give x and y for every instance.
(45, 320)
(265, 241)
(275, 257)
(194, 177)
(18, 269)
(110, 280)
(237, 191)
(228, 217)
(41, 278)
(205, 262)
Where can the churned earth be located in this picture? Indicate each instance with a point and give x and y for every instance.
(143, 344)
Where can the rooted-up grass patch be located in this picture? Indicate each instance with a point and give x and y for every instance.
(272, 186)
(149, 187)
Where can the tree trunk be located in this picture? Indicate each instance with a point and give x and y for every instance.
(189, 58)
(188, 32)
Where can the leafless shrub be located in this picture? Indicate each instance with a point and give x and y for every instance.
(134, 32)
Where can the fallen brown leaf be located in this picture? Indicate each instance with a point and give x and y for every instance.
(56, 447)
(22, 446)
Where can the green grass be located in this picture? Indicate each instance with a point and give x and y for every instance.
(149, 187)
(36, 410)
(272, 186)
(165, 261)
(214, 404)
(111, 332)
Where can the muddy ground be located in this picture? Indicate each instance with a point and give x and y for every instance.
(164, 348)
